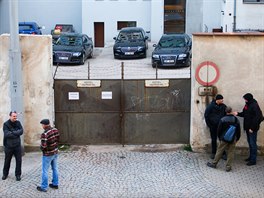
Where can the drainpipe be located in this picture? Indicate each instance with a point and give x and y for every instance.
(234, 15)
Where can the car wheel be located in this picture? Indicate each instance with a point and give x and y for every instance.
(82, 60)
(91, 54)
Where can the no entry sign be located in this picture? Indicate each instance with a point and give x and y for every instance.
(207, 73)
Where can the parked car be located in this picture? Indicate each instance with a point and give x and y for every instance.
(29, 28)
(172, 50)
(61, 28)
(72, 48)
(131, 42)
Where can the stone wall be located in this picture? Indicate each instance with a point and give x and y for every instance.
(239, 57)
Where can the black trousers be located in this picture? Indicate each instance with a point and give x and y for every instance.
(9, 152)
(213, 133)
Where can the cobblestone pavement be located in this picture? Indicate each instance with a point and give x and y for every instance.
(134, 172)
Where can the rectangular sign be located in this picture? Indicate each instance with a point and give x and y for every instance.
(88, 83)
(107, 95)
(156, 83)
(73, 96)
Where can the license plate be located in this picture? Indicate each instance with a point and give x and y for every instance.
(169, 61)
(129, 53)
(63, 58)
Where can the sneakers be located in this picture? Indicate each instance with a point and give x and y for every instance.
(224, 157)
(247, 160)
(228, 169)
(251, 163)
(18, 177)
(53, 186)
(4, 177)
(211, 165)
(41, 189)
(212, 156)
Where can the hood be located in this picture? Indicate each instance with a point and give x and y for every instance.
(248, 97)
(67, 48)
(180, 50)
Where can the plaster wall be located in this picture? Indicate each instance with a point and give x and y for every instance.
(36, 58)
(240, 60)
(106, 11)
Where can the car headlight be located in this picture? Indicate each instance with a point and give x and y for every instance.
(76, 54)
(140, 48)
(155, 56)
(182, 55)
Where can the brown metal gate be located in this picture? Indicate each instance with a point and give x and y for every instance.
(131, 114)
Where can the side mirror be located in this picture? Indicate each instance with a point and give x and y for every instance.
(114, 38)
(154, 45)
(146, 37)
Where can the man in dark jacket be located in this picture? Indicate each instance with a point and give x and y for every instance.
(12, 131)
(252, 115)
(213, 113)
(223, 126)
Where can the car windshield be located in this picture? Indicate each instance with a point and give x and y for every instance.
(25, 27)
(124, 36)
(168, 42)
(70, 40)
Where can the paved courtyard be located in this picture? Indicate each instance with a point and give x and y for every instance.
(147, 171)
(104, 66)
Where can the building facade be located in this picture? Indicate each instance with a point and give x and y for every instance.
(102, 19)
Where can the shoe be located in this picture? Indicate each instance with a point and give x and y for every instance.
(251, 163)
(247, 160)
(53, 186)
(228, 169)
(211, 165)
(41, 189)
(4, 177)
(224, 157)
(18, 178)
(212, 156)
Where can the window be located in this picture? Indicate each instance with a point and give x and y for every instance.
(253, 1)
(121, 24)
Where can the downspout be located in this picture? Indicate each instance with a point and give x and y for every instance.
(234, 16)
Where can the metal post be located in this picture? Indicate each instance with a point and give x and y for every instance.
(122, 106)
(88, 70)
(16, 72)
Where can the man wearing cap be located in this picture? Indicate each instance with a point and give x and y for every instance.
(49, 147)
(253, 116)
(213, 114)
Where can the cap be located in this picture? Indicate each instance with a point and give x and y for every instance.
(45, 122)
(219, 97)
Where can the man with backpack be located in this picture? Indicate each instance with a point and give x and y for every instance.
(228, 145)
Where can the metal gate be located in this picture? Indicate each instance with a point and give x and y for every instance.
(123, 112)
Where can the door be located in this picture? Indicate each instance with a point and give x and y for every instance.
(99, 34)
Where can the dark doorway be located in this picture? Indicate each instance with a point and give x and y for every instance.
(99, 34)
(174, 16)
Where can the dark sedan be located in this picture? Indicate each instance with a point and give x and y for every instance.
(173, 50)
(131, 42)
(72, 48)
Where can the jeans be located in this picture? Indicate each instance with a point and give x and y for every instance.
(252, 143)
(46, 162)
(9, 152)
